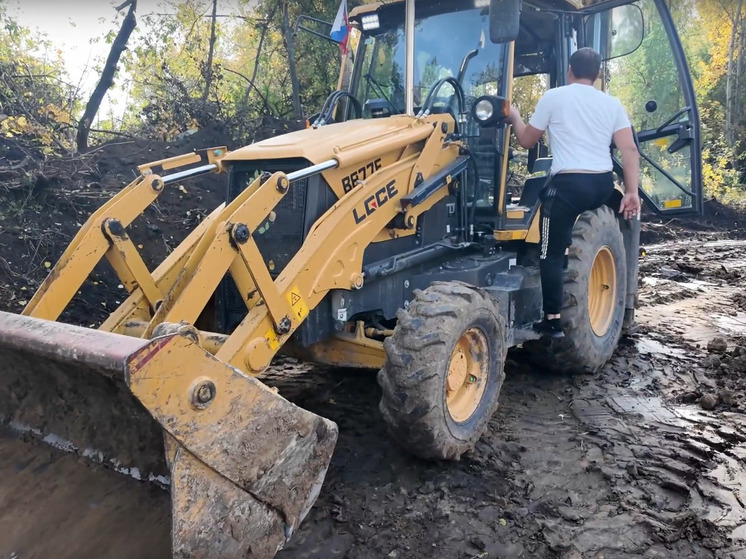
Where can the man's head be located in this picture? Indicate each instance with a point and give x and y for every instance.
(585, 64)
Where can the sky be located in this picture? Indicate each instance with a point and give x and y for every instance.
(71, 25)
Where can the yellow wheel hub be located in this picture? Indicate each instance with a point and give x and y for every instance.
(602, 292)
(467, 374)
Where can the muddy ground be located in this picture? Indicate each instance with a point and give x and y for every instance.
(647, 458)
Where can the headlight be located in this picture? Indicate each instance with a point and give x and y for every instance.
(490, 110)
(370, 22)
(484, 110)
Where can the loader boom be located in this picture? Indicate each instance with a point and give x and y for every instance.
(179, 290)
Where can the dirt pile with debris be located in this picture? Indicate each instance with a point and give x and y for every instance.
(38, 222)
(717, 220)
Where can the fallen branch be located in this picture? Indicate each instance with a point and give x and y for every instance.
(17, 165)
(112, 133)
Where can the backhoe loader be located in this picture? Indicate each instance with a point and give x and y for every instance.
(384, 236)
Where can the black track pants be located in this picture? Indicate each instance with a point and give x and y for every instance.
(565, 197)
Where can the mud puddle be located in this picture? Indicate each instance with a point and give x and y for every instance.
(54, 504)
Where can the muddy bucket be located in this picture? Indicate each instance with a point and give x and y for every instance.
(243, 464)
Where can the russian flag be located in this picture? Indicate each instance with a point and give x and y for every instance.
(341, 27)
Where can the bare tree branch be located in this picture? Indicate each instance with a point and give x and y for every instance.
(124, 5)
(107, 75)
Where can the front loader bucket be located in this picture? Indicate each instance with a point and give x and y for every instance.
(245, 465)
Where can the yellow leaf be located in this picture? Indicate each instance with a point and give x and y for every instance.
(47, 264)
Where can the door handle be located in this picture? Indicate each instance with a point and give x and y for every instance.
(685, 138)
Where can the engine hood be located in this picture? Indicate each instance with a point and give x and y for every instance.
(327, 142)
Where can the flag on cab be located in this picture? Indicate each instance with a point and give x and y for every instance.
(341, 27)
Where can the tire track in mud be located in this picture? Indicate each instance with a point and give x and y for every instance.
(604, 479)
(674, 474)
(614, 465)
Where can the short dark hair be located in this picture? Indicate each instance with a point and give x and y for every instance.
(586, 64)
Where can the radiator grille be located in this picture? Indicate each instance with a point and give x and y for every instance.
(278, 239)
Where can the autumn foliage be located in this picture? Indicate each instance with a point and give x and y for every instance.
(198, 63)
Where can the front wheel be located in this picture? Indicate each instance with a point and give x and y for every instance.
(443, 371)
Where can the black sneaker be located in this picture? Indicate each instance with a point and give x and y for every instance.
(549, 328)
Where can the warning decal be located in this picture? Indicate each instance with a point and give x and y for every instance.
(298, 304)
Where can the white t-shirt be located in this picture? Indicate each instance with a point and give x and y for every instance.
(581, 122)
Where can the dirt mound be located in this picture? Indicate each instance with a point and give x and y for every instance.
(718, 220)
(39, 218)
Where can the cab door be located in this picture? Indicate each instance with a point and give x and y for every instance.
(645, 67)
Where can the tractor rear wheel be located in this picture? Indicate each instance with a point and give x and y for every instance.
(595, 289)
(443, 371)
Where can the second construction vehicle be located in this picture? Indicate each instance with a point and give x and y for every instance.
(385, 236)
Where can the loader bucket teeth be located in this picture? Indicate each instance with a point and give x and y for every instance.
(245, 464)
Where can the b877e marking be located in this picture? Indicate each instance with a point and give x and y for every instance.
(350, 182)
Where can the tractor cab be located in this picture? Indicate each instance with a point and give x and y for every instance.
(472, 59)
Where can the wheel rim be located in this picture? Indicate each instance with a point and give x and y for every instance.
(467, 374)
(602, 292)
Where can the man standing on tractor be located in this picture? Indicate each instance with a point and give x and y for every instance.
(582, 122)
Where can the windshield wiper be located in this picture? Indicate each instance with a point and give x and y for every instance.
(379, 88)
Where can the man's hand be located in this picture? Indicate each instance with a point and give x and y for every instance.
(527, 135)
(625, 141)
(630, 206)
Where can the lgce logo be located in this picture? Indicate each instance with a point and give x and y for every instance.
(372, 203)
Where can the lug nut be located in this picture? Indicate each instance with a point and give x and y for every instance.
(203, 394)
(241, 233)
(115, 227)
(284, 326)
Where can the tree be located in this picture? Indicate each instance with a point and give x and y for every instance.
(210, 52)
(107, 75)
(733, 72)
(290, 48)
(37, 104)
(720, 37)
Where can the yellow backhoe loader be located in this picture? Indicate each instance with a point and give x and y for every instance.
(384, 236)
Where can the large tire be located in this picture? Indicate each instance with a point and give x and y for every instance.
(443, 371)
(595, 289)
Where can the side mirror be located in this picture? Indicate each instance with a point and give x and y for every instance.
(505, 20)
(618, 32)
